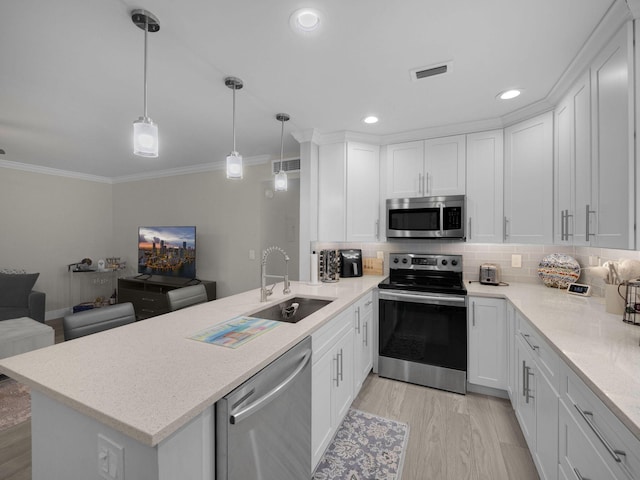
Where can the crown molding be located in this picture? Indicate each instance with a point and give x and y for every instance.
(308, 135)
(200, 168)
(443, 131)
(634, 7)
(26, 167)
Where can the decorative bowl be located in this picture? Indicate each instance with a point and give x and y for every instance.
(558, 270)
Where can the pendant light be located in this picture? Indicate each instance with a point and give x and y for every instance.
(281, 176)
(145, 132)
(234, 159)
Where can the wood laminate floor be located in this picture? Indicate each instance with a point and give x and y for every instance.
(451, 436)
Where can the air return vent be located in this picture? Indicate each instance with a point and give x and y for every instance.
(287, 165)
(431, 71)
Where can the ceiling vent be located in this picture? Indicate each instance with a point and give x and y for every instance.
(431, 70)
(287, 165)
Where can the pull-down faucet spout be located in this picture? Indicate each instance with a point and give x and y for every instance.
(264, 291)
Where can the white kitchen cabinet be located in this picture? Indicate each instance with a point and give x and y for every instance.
(572, 167)
(445, 166)
(612, 212)
(363, 192)
(528, 168)
(405, 167)
(331, 380)
(427, 168)
(348, 192)
(485, 178)
(362, 340)
(487, 332)
(538, 376)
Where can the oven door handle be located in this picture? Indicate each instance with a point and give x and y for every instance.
(419, 298)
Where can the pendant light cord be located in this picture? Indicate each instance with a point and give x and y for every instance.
(281, 145)
(234, 119)
(146, 30)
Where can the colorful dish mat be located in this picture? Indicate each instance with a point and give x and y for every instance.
(235, 332)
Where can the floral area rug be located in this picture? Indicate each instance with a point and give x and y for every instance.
(15, 403)
(365, 447)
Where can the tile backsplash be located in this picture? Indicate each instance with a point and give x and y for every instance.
(475, 254)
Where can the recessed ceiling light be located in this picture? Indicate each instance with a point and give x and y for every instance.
(370, 119)
(305, 20)
(509, 94)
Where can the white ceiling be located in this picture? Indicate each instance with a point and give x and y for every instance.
(71, 75)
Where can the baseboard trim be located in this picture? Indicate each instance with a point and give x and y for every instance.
(492, 392)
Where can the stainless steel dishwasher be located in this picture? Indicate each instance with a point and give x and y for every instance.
(263, 427)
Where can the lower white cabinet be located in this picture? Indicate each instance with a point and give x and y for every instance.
(511, 354)
(332, 389)
(487, 334)
(362, 341)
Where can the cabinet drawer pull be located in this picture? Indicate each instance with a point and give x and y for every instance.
(580, 477)
(614, 453)
(526, 339)
(368, 303)
(528, 395)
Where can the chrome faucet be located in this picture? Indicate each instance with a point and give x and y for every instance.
(264, 291)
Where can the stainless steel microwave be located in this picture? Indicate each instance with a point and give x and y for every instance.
(426, 217)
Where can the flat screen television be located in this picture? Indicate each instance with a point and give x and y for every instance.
(167, 251)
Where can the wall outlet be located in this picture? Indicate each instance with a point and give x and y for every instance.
(252, 254)
(380, 255)
(516, 260)
(110, 459)
(594, 261)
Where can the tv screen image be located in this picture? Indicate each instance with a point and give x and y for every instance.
(167, 251)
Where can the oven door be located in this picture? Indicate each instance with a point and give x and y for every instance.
(422, 338)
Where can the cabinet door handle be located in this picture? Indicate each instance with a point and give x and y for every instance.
(366, 334)
(580, 477)
(341, 366)
(420, 184)
(426, 184)
(504, 227)
(470, 236)
(526, 339)
(524, 378)
(613, 452)
(377, 229)
(337, 379)
(473, 314)
(528, 396)
(562, 225)
(566, 230)
(586, 227)
(358, 324)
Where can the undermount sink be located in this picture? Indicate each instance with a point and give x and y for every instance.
(287, 312)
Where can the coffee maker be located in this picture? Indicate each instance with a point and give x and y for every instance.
(329, 266)
(351, 263)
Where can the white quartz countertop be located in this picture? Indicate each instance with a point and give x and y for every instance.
(598, 346)
(147, 379)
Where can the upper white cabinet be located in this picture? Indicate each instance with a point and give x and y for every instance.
(611, 211)
(430, 168)
(573, 164)
(348, 192)
(528, 177)
(485, 171)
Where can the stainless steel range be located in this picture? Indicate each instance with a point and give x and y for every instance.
(422, 331)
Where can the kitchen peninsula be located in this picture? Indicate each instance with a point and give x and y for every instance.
(150, 389)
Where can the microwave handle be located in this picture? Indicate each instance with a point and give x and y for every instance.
(420, 184)
(441, 205)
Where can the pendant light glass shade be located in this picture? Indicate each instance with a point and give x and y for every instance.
(145, 137)
(145, 132)
(280, 181)
(234, 165)
(234, 159)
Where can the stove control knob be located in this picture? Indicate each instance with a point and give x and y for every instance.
(404, 260)
(396, 260)
(444, 262)
(454, 262)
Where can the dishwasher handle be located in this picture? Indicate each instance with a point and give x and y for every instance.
(237, 416)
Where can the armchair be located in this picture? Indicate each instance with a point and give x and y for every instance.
(18, 299)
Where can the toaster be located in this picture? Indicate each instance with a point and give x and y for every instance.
(489, 274)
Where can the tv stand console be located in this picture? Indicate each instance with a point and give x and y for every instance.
(149, 294)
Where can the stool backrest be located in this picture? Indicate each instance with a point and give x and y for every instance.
(186, 296)
(97, 320)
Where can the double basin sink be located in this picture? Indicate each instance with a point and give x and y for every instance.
(292, 310)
